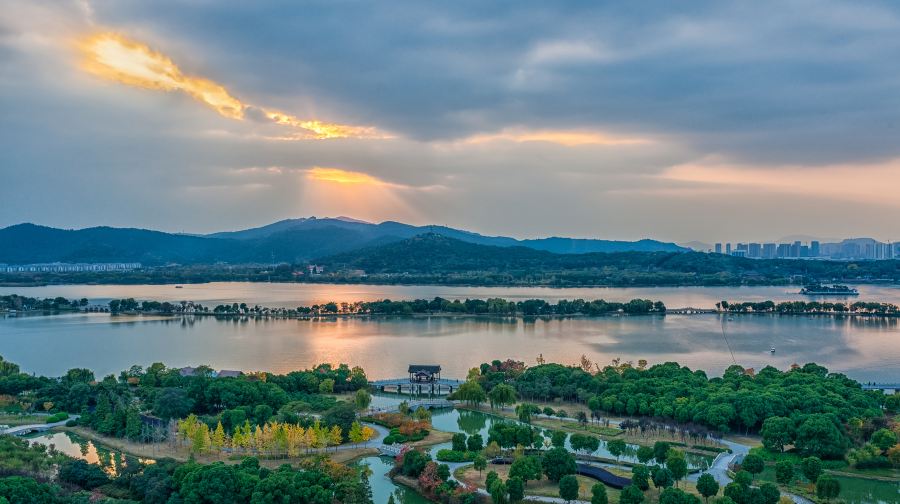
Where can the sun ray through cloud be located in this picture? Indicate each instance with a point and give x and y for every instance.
(117, 58)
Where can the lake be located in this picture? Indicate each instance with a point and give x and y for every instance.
(284, 295)
(865, 349)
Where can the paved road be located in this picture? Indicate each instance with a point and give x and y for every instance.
(719, 468)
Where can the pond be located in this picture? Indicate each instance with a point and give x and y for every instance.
(78, 447)
(860, 491)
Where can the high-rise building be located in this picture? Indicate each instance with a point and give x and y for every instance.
(783, 250)
(769, 250)
(814, 249)
(795, 249)
(804, 250)
(728, 248)
(718, 248)
(754, 250)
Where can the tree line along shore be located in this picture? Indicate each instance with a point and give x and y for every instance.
(444, 307)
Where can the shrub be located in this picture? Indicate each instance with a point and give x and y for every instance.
(446, 455)
(57, 417)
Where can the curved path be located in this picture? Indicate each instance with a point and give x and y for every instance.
(27, 429)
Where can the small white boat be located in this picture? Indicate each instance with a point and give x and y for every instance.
(772, 350)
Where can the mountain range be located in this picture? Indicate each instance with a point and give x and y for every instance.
(291, 240)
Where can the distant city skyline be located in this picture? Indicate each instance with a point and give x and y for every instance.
(851, 248)
(712, 122)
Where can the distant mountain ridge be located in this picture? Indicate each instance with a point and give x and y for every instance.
(290, 240)
(399, 230)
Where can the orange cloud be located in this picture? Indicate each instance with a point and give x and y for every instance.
(343, 176)
(839, 182)
(568, 138)
(114, 57)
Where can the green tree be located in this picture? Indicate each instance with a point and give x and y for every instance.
(661, 451)
(707, 486)
(172, 403)
(811, 468)
(827, 487)
(640, 477)
(644, 454)
(479, 463)
(490, 479)
(527, 468)
(499, 492)
(616, 448)
(516, 488)
(677, 465)
(362, 398)
(558, 462)
(819, 436)
(598, 494)
(475, 442)
(770, 493)
(326, 386)
(502, 395)
(736, 492)
(133, 424)
(884, 439)
(459, 442)
(662, 478)
(558, 438)
(568, 487)
(414, 463)
(676, 496)
(743, 478)
(753, 464)
(470, 392)
(525, 410)
(631, 495)
(777, 432)
(784, 472)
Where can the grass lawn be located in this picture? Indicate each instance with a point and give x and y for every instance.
(14, 420)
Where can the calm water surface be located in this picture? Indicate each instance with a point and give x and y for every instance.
(294, 294)
(866, 349)
(78, 447)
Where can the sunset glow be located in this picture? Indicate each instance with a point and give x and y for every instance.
(568, 138)
(323, 130)
(114, 57)
(343, 176)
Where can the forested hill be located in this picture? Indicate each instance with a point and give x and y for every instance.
(289, 241)
(436, 258)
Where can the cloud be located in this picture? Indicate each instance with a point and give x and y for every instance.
(340, 176)
(117, 58)
(610, 120)
(568, 138)
(852, 183)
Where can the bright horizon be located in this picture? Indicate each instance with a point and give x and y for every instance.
(725, 122)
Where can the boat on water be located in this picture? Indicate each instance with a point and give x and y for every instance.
(772, 350)
(828, 290)
(179, 286)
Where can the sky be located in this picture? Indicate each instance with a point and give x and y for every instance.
(711, 121)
